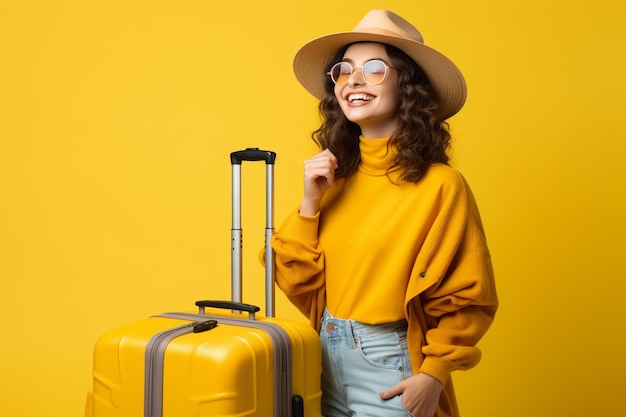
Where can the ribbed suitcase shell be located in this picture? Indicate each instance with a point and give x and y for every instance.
(232, 370)
(225, 371)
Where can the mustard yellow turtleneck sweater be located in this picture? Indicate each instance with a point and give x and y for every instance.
(379, 252)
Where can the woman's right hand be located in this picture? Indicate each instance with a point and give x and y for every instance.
(319, 176)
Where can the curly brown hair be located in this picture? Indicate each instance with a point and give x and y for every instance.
(423, 138)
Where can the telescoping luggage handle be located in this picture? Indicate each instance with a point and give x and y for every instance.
(236, 158)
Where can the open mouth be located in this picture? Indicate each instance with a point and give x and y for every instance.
(353, 98)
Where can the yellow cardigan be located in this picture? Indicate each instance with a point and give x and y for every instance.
(379, 252)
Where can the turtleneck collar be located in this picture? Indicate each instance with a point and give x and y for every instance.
(375, 158)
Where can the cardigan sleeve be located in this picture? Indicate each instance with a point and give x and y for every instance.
(451, 294)
(300, 264)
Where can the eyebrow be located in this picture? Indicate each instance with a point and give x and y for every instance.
(350, 61)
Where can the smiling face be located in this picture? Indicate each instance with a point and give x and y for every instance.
(374, 107)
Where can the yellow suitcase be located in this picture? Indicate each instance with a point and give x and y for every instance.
(221, 361)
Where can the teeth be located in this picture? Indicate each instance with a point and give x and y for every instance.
(362, 97)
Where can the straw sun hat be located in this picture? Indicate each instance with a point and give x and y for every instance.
(313, 59)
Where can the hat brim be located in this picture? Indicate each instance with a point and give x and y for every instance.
(313, 59)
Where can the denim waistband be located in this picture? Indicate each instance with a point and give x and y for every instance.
(357, 329)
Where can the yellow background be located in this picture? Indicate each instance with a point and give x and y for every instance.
(117, 118)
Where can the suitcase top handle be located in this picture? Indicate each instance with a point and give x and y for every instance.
(249, 308)
(252, 154)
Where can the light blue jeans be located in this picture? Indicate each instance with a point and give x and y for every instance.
(358, 362)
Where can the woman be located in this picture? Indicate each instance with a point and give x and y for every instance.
(386, 254)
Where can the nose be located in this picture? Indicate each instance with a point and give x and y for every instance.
(356, 78)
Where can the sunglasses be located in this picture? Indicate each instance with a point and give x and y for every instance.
(374, 72)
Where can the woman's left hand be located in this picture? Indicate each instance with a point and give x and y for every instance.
(420, 394)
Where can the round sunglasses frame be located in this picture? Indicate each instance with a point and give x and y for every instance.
(362, 67)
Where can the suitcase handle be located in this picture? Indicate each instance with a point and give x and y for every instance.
(228, 305)
(236, 158)
(252, 154)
